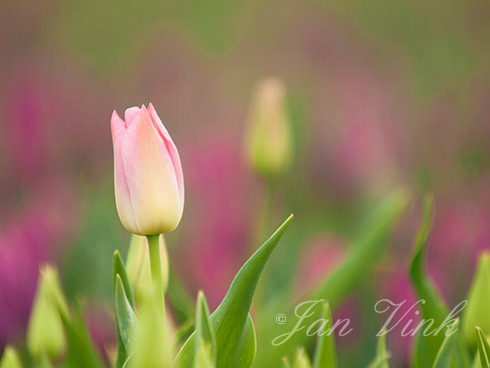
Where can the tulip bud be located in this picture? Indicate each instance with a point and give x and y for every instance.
(45, 334)
(148, 179)
(138, 265)
(268, 139)
(10, 359)
(476, 312)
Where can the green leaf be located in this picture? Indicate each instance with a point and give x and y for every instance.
(476, 312)
(382, 355)
(445, 354)
(372, 242)
(325, 353)
(427, 345)
(206, 339)
(119, 269)
(302, 360)
(125, 316)
(10, 358)
(203, 358)
(483, 348)
(81, 352)
(247, 344)
(230, 320)
(127, 363)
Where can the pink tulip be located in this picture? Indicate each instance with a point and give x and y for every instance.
(148, 178)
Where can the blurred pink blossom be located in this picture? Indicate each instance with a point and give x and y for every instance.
(362, 140)
(27, 240)
(459, 235)
(320, 257)
(216, 186)
(394, 284)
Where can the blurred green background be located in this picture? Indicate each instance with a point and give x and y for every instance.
(381, 94)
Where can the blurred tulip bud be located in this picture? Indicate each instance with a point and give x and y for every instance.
(268, 142)
(10, 358)
(138, 265)
(45, 334)
(149, 183)
(476, 312)
(302, 360)
(152, 346)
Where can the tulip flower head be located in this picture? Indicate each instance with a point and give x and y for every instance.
(148, 179)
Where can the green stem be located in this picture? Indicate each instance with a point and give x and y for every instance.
(263, 226)
(262, 233)
(156, 267)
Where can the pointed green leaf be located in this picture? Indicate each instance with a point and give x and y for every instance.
(230, 319)
(382, 355)
(81, 352)
(206, 339)
(325, 353)
(10, 358)
(445, 355)
(476, 312)
(372, 241)
(203, 357)
(427, 345)
(125, 316)
(483, 348)
(434, 306)
(118, 268)
(247, 344)
(127, 363)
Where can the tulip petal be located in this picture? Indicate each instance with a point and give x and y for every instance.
(117, 125)
(130, 115)
(171, 148)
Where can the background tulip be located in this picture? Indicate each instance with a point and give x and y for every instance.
(45, 336)
(10, 358)
(149, 183)
(268, 141)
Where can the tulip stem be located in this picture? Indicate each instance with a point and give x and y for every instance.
(262, 233)
(156, 267)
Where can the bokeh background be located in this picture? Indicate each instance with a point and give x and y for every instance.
(380, 94)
